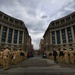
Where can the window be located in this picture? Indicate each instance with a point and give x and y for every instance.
(73, 16)
(21, 23)
(69, 34)
(15, 36)
(10, 35)
(11, 20)
(5, 17)
(0, 15)
(16, 21)
(58, 37)
(63, 36)
(20, 37)
(4, 32)
(68, 19)
(62, 21)
(74, 30)
(57, 23)
(53, 37)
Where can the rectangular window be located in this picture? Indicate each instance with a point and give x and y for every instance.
(16, 22)
(20, 37)
(10, 35)
(5, 17)
(53, 37)
(0, 15)
(11, 20)
(58, 37)
(73, 16)
(4, 32)
(74, 30)
(63, 36)
(15, 36)
(69, 34)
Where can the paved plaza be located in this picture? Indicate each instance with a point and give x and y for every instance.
(39, 66)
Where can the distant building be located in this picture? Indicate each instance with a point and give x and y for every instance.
(13, 32)
(42, 45)
(61, 33)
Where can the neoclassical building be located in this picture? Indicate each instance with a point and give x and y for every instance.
(41, 45)
(13, 32)
(61, 33)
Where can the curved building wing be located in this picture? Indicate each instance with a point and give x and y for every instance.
(61, 33)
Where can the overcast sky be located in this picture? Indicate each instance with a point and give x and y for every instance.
(37, 14)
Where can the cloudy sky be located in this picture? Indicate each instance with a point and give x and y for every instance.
(37, 14)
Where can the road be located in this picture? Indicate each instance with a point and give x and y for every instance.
(37, 61)
(39, 66)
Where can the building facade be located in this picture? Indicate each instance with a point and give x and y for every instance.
(60, 33)
(42, 45)
(13, 32)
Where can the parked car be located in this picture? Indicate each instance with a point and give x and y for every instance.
(44, 55)
(30, 54)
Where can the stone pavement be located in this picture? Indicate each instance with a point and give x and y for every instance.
(39, 66)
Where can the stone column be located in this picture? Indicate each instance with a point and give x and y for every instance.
(61, 36)
(55, 38)
(70, 17)
(1, 33)
(50, 39)
(23, 41)
(67, 47)
(66, 35)
(72, 34)
(18, 38)
(23, 38)
(7, 35)
(61, 39)
(12, 39)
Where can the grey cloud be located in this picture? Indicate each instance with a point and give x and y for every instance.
(68, 8)
(44, 16)
(31, 12)
(7, 3)
(27, 10)
(35, 29)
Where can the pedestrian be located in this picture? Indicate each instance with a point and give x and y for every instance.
(55, 56)
(6, 54)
